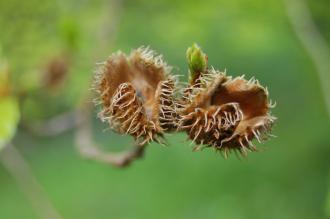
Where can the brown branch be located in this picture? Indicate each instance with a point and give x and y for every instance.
(80, 120)
(314, 43)
(16, 165)
(89, 149)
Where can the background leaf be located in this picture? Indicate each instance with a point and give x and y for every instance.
(9, 118)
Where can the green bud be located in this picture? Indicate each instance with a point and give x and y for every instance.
(197, 61)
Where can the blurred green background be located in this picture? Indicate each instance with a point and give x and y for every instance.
(289, 179)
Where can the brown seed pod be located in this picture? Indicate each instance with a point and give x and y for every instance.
(225, 113)
(137, 94)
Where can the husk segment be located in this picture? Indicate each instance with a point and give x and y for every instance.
(166, 105)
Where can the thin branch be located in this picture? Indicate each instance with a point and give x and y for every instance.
(89, 149)
(80, 120)
(314, 43)
(16, 165)
(107, 32)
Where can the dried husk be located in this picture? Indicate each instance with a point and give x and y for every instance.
(137, 95)
(225, 113)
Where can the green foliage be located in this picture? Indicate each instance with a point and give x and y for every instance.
(9, 119)
(9, 110)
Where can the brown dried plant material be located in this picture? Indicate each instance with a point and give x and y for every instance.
(224, 113)
(56, 71)
(137, 95)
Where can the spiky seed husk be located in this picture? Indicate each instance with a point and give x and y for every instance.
(225, 113)
(137, 93)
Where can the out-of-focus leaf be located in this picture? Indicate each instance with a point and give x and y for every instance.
(9, 117)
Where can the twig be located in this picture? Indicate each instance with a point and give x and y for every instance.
(89, 149)
(314, 43)
(107, 33)
(16, 165)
